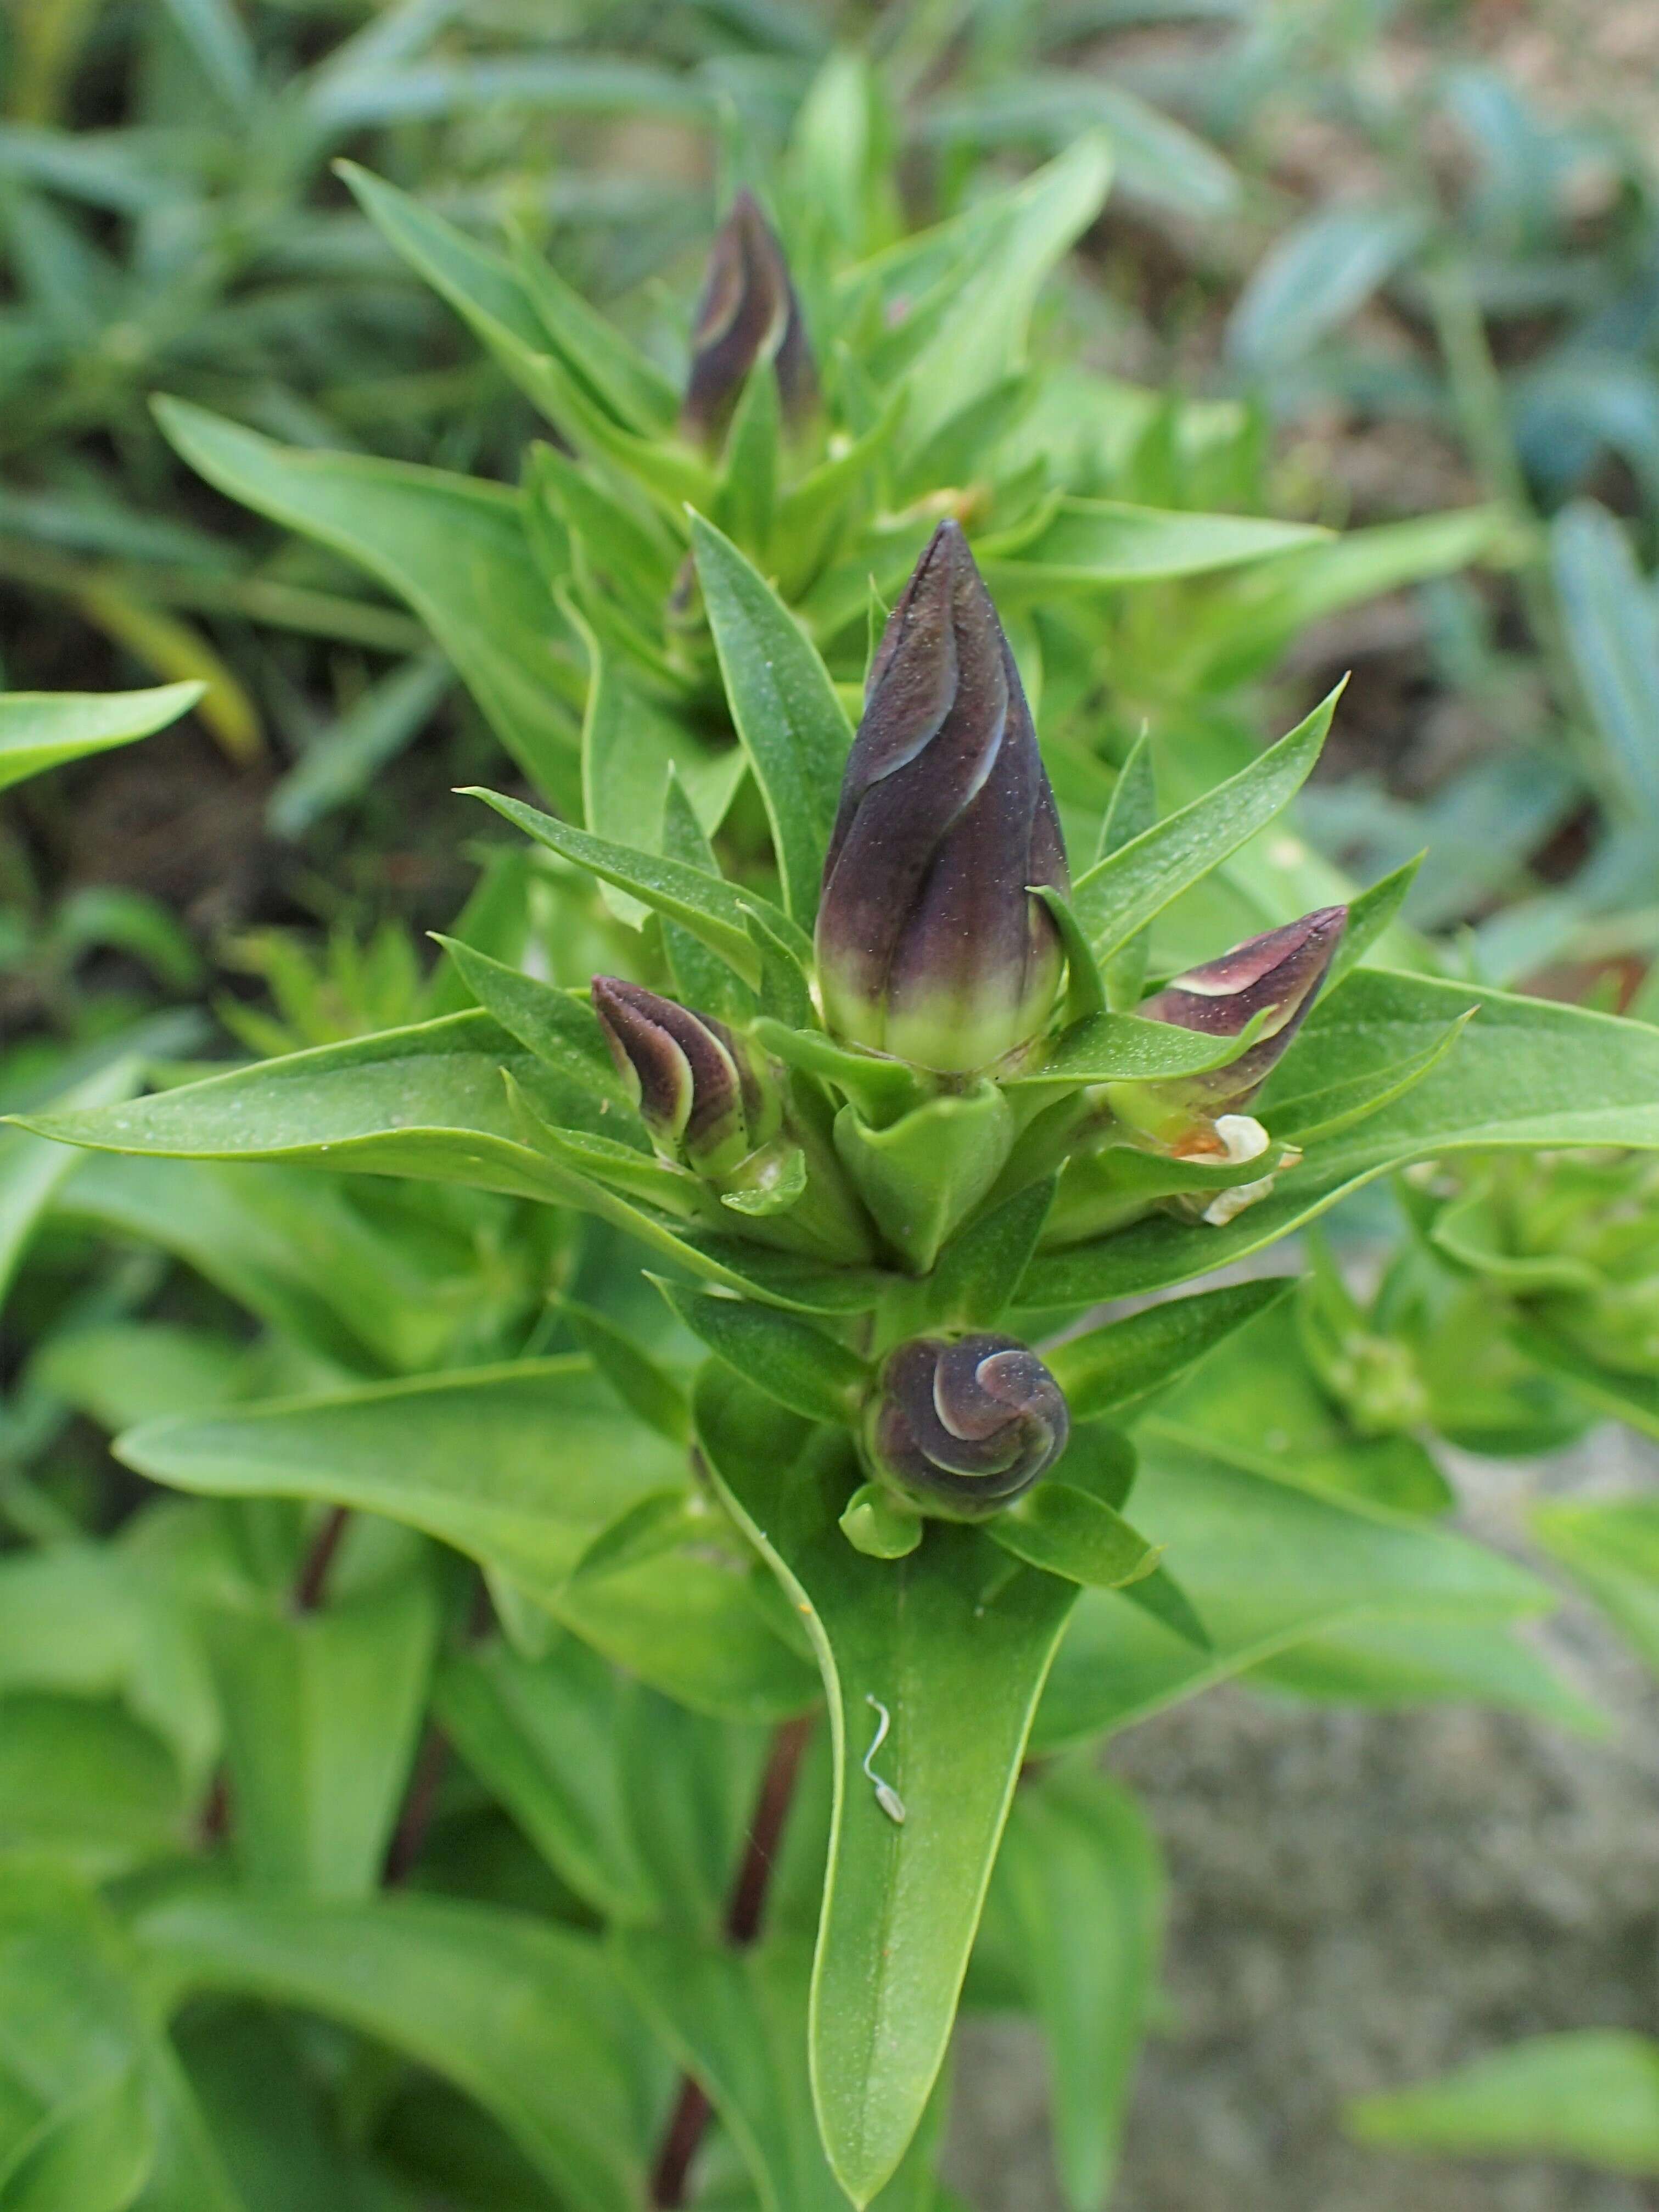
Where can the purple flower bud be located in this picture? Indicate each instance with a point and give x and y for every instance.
(930, 946)
(1279, 974)
(961, 1427)
(703, 1093)
(748, 314)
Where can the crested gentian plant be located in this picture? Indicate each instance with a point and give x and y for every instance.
(886, 1141)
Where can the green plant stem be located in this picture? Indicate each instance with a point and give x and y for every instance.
(691, 2112)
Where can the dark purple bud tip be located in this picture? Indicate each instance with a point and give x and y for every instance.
(748, 314)
(1277, 974)
(702, 1092)
(930, 946)
(962, 1426)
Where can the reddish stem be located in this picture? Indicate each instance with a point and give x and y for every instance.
(410, 1835)
(692, 2111)
(313, 1575)
(673, 2171)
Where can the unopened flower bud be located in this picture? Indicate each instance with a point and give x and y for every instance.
(748, 314)
(1276, 976)
(962, 1426)
(930, 945)
(703, 1093)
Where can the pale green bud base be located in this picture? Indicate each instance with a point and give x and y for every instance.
(880, 1525)
(923, 1176)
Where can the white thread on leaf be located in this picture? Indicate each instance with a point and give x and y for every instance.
(886, 1796)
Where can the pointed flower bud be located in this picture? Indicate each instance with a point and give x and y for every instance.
(961, 1427)
(930, 946)
(748, 313)
(703, 1093)
(1277, 975)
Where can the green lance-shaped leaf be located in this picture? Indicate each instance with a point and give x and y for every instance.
(954, 1648)
(1612, 633)
(1070, 1532)
(802, 1368)
(520, 1467)
(452, 547)
(1096, 543)
(495, 300)
(40, 730)
(517, 1466)
(714, 910)
(1107, 1047)
(976, 319)
(1527, 1073)
(630, 746)
(785, 706)
(322, 1717)
(1371, 914)
(426, 1101)
(1591, 2095)
(559, 1026)
(1107, 1370)
(542, 1734)
(1079, 1892)
(87, 1620)
(33, 1169)
(77, 2125)
(432, 1102)
(1132, 810)
(1132, 886)
(980, 1269)
(521, 311)
(525, 2017)
(1267, 1565)
(1610, 1547)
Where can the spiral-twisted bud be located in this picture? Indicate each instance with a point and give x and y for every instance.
(704, 1094)
(961, 1426)
(748, 314)
(930, 945)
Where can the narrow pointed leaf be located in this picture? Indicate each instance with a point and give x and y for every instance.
(1123, 892)
(1081, 1890)
(523, 2016)
(1590, 2096)
(452, 547)
(1069, 1533)
(711, 909)
(40, 730)
(979, 1270)
(541, 1734)
(556, 1025)
(810, 1373)
(426, 1101)
(518, 1467)
(786, 710)
(1096, 543)
(1108, 1369)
